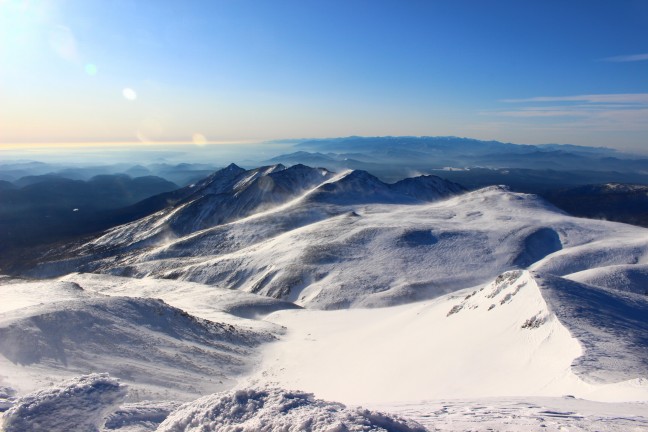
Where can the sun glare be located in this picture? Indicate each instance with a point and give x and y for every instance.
(21, 26)
(199, 139)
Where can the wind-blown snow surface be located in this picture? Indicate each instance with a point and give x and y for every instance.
(624, 277)
(58, 329)
(502, 339)
(80, 404)
(530, 414)
(273, 409)
(327, 252)
(612, 326)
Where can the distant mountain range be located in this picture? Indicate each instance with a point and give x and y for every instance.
(28, 172)
(393, 158)
(612, 201)
(38, 209)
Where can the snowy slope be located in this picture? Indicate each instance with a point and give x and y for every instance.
(624, 277)
(226, 195)
(360, 187)
(523, 335)
(330, 256)
(611, 325)
(501, 339)
(299, 188)
(527, 414)
(163, 351)
(200, 300)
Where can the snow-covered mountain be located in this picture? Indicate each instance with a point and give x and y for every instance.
(226, 195)
(265, 202)
(386, 295)
(326, 250)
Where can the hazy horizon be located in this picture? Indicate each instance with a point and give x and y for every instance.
(203, 72)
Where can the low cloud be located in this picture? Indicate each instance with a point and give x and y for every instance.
(621, 98)
(599, 112)
(627, 58)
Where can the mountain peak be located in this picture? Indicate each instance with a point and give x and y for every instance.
(233, 167)
(360, 174)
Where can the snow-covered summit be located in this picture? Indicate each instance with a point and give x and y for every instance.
(427, 188)
(218, 182)
(360, 187)
(228, 194)
(247, 193)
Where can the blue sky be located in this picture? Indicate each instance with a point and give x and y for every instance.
(213, 71)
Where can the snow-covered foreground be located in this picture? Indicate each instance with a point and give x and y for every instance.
(528, 414)
(80, 404)
(272, 409)
(492, 357)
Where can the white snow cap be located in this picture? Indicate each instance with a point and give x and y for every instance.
(274, 409)
(80, 404)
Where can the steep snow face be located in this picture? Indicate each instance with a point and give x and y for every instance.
(258, 190)
(219, 182)
(495, 340)
(611, 325)
(226, 195)
(606, 250)
(273, 409)
(80, 404)
(162, 351)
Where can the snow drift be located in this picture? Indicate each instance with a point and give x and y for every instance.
(274, 409)
(142, 341)
(80, 404)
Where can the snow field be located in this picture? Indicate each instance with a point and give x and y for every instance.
(499, 340)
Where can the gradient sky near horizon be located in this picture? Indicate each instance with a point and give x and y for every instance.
(550, 71)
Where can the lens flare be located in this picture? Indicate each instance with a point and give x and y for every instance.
(129, 94)
(63, 43)
(91, 69)
(199, 139)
